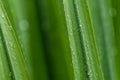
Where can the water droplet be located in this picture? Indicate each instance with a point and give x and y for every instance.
(112, 12)
(10, 27)
(89, 73)
(80, 25)
(2, 15)
(24, 25)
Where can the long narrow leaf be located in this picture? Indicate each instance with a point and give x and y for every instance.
(15, 55)
(80, 10)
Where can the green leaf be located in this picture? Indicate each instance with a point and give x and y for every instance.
(36, 50)
(55, 40)
(81, 36)
(115, 10)
(16, 11)
(14, 53)
(101, 16)
(4, 67)
(59, 39)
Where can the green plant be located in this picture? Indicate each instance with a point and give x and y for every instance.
(59, 40)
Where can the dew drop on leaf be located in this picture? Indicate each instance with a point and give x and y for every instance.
(24, 25)
(10, 27)
(2, 15)
(80, 25)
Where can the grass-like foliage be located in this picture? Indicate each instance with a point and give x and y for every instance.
(59, 40)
